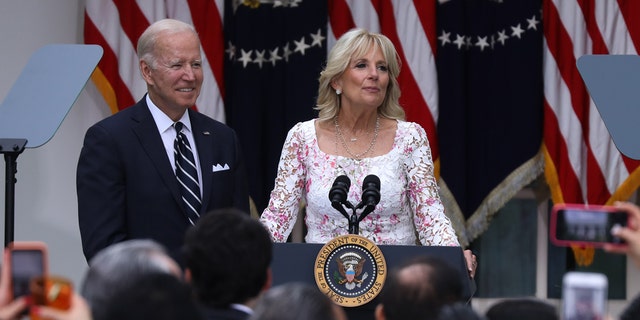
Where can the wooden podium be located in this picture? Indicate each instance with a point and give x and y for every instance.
(294, 262)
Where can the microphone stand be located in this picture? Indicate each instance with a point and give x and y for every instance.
(354, 223)
(354, 220)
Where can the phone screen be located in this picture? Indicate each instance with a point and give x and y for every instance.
(594, 226)
(25, 264)
(584, 296)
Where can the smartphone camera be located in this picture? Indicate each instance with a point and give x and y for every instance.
(584, 296)
(587, 225)
(26, 261)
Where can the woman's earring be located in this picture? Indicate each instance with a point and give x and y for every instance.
(338, 91)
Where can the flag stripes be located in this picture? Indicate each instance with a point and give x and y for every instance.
(582, 163)
(403, 22)
(116, 25)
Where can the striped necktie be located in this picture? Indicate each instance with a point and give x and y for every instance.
(187, 174)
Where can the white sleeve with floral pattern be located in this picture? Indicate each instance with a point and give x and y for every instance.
(432, 225)
(284, 203)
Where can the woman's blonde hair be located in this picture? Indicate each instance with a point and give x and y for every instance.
(353, 45)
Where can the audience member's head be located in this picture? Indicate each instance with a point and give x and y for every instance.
(418, 288)
(157, 296)
(522, 309)
(227, 256)
(293, 301)
(632, 310)
(118, 265)
(459, 311)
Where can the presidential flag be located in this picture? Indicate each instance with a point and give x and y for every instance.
(489, 64)
(274, 52)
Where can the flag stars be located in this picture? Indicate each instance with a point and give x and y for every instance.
(468, 42)
(517, 31)
(444, 38)
(532, 23)
(489, 41)
(459, 42)
(274, 57)
(266, 56)
(482, 43)
(287, 52)
(231, 51)
(502, 36)
(301, 46)
(317, 38)
(260, 58)
(245, 58)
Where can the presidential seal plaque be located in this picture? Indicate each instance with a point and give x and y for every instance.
(350, 270)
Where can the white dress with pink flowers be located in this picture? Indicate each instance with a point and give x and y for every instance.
(409, 206)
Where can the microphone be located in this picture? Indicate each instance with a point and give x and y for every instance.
(338, 194)
(370, 195)
(371, 190)
(340, 189)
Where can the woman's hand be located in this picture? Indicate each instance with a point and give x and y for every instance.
(9, 309)
(630, 234)
(472, 262)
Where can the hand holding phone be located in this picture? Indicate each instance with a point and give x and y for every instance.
(631, 234)
(27, 260)
(577, 224)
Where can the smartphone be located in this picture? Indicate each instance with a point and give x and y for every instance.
(27, 259)
(586, 224)
(584, 296)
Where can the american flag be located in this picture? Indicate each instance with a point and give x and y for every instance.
(582, 163)
(273, 57)
(116, 25)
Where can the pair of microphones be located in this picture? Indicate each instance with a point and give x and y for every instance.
(338, 195)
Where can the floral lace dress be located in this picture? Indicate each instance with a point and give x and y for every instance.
(410, 208)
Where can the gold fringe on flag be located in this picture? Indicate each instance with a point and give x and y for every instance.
(583, 254)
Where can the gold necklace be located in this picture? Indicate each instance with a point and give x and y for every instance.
(339, 136)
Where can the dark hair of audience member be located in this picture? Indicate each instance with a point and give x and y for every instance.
(632, 310)
(157, 296)
(459, 311)
(418, 288)
(296, 300)
(522, 309)
(226, 249)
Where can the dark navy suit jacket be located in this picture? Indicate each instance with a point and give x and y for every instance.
(127, 188)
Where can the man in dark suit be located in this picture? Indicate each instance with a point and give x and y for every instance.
(227, 260)
(126, 177)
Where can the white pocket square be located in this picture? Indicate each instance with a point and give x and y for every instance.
(217, 167)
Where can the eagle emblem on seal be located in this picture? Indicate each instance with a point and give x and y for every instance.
(350, 268)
